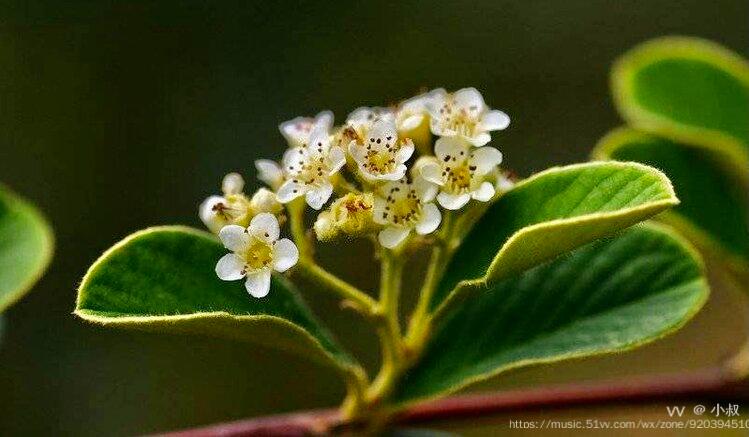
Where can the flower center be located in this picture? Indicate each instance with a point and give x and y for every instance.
(259, 255)
(460, 120)
(458, 178)
(402, 209)
(309, 170)
(233, 209)
(380, 161)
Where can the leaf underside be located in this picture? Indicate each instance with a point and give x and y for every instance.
(162, 279)
(611, 295)
(26, 244)
(711, 199)
(552, 213)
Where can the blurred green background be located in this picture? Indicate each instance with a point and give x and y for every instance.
(119, 115)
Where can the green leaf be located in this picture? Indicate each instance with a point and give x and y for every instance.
(549, 214)
(714, 205)
(26, 245)
(162, 279)
(689, 90)
(612, 295)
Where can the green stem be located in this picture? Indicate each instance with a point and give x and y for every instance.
(354, 406)
(298, 230)
(419, 324)
(355, 377)
(316, 274)
(389, 327)
(321, 277)
(342, 186)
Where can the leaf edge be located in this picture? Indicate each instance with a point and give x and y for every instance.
(701, 238)
(143, 322)
(468, 286)
(699, 304)
(695, 48)
(49, 246)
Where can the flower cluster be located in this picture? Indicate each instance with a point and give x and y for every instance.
(369, 162)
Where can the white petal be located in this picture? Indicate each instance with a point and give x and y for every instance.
(258, 283)
(425, 189)
(434, 101)
(292, 158)
(416, 104)
(430, 219)
(285, 255)
(265, 200)
(319, 141)
(230, 267)
(269, 172)
(439, 130)
(494, 120)
(411, 122)
(208, 215)
(395, 175)
(432, 172)
(290, 191)
(317, 196)
(264, 226)
(357, 152)
(379, 211)
(234, 237)
(336, 159)
(324, 120)
(484, 193)
(398, 173)
(453, 201)
(296, 131)
(404, 153)
(232, 183)
(485, 159)
(392, 236)
(480, 140)
(382, 134)
(365, 116)
(451, 147)
(361, 115)
(469, 99)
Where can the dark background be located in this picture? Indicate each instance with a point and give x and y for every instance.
(119, 115)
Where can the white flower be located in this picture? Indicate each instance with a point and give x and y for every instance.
(265, 200)
(297, 131)
(231, 208)
(257, 251)
(307, 170)
(465, 114)
(412, 112)
(269, 172)
(383, 155)
(358, 124)
(362, 118)
(404, 206)
(461, 171)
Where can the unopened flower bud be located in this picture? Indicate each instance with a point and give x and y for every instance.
(233, 183)
(324, 227)
(349, 215)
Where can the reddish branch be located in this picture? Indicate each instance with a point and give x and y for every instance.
(707, 384)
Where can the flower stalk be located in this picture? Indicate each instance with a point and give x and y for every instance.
(388, 329)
